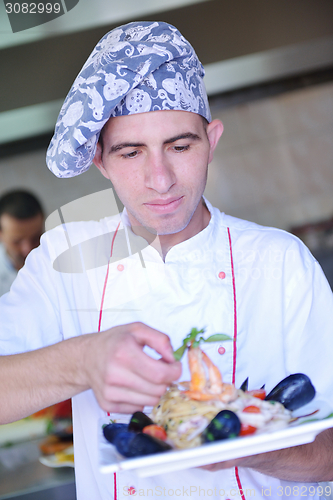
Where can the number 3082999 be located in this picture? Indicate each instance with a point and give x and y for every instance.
(33, 8)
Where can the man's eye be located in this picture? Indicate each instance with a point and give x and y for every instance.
(180, 149)
(132, 154)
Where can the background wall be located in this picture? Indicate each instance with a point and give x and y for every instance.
(29, 171)
(274, 163)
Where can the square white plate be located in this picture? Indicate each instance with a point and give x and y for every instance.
(301, 432)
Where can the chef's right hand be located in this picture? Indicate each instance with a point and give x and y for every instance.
(122, 376)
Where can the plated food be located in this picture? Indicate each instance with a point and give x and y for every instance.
(59, 459)
(57, 447)
(205, 409)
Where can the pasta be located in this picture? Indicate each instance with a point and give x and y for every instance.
(186, 409)
(184, 419)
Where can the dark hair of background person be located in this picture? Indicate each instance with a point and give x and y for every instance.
(20, 204)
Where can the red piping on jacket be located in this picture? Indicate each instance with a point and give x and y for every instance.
(235, 310)
(115, 486)
(106, 280)
(99, 329)
(239, 484)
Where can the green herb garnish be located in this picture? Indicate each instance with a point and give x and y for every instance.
(191, 340)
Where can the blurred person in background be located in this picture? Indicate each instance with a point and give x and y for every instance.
(21, 226)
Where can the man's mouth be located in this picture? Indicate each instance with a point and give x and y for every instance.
(164, 206)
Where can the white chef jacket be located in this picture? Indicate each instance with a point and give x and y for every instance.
(7, 271)
(259, 285)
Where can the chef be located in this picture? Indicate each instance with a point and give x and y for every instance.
(88, 320)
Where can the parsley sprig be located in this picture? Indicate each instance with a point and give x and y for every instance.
(191, 340)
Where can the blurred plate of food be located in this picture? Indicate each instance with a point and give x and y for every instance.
(64, 458)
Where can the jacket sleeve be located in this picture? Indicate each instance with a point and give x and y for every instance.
(309, 324)
(29, 313)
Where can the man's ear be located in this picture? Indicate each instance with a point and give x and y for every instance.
(214, 132)
(98, 161)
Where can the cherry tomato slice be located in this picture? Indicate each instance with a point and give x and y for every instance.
(246, 430)
(156, 431)
(258, 393)
(251, 409)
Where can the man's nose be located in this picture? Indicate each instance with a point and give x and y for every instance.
(159, 174)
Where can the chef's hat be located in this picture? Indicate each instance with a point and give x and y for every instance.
(138, 67)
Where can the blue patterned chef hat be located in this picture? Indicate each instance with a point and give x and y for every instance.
(138, 67)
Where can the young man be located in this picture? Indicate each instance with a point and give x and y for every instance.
(21, 226)
(139, 110)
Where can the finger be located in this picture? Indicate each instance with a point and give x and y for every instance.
(156, 370)
(123, 395)
(121, 408)
(124, 378)
(155, 339)
(130, 354)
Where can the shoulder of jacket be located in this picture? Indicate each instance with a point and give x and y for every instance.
(254, 235)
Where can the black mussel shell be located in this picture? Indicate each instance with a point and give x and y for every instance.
(130, 444)
(245, 385)
(110, 431)
(122, 441)
(143, 444)
(293, 391)
(225, 425)
(139, 421)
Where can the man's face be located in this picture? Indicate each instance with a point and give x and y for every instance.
(20, 236)
(157, 163)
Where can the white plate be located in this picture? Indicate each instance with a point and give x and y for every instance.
(53, 461)
(301, 432)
